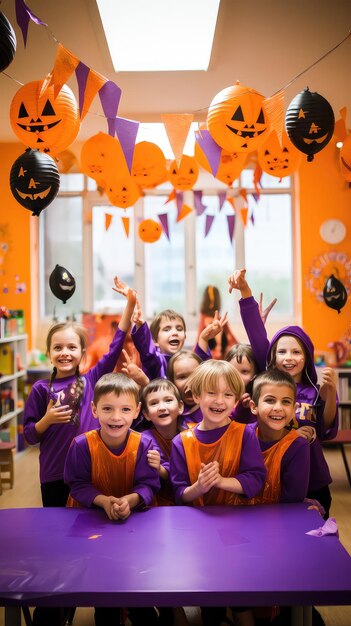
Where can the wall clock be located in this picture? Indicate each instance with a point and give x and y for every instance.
(331, 262)
(332, 231)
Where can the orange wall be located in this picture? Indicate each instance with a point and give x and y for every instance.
(324, 194)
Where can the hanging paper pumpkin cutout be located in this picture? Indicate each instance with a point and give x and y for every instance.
(102, 159)
(149, 165)
(230, 166)
(149, 231)
(66, 161)
(43, 122)
(345, 159)
(334, 293)
(123, 191)
(34, 180)
(62, 283)
(7, 43)
(236, 119)
(309, 122)
(278, 160)
(185, 176)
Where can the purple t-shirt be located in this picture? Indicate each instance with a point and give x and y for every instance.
(55, 441)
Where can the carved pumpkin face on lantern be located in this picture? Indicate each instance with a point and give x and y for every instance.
(185, 176)
(149, 165)
(102, 159)
(43, 122)
(236, 119)
(149, 231)
(278, 160)
(34, 180)
(123, 192)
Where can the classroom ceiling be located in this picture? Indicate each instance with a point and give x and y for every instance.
(264, 44)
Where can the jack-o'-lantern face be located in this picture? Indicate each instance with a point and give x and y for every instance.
(185, 176)
(149, 231)
(43, 122)
(34, 180)
(345, 159)
(102, 159)
(278, 160)
(236, 119)
(149, 165)
(123, 192)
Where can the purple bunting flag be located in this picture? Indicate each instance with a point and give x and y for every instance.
(231, 226)
(23, 15)
(222, 196)
(252, 218)
(179, 201)
(82, 73)
(126, 131)
(256, 196)
(163, 217)
(110, 95)
(210, 148)
(199, 206)
(208, 223)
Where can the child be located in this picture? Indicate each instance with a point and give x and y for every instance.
(162, 406)
(219, 459)
(108, 467)
(242, 358)
(180, 367)
(211, 302)
(292, 350)
(57, 411)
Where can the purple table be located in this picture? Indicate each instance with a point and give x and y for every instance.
(170, 556)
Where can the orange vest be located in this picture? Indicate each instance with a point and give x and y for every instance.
(112, 475)
(226, 450)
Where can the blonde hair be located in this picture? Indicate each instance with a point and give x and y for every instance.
(206, 377)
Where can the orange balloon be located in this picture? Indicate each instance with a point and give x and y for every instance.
(345, 159)
(236, 119)
(279, 160)
(102, 159)
(149, 231)
(185, 176)
(230, 166)
(149, 165)
(43, 122)
(123, 191)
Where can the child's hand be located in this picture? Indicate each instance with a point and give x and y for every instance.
(57, 414)
(208, 476)
(245, 400)
(315, 505)
(154, 459)
(238, 281)
(265, 312)
(138, 318)
(120, 508)
(328, 382)
(307, 432)
(120, 286)
(215, 327)
(132, 370)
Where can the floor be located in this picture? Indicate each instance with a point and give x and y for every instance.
(26, 493)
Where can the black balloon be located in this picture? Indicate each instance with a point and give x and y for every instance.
(62, 283)
(334, 293)
(34, 180)
(309, 122)
(7, 43)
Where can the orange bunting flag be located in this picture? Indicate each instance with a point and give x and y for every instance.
(230, 199)
(94, 83)
(257, 177)
(65, 65)
(340, 130)
(243, 194)
(274, 108)
(126, 222)
(172, 196)
(184, 211)
(177, 127)
(244, 215)
(108, 220)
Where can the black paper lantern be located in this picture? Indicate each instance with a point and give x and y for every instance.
(309, 122)
(334, 293)
(62, 283)
(34, 180)
(7, 43)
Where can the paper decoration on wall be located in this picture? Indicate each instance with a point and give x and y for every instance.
(8, 42)
(184, 176)
(34, 180)
(207, 151)
(334, 293)
(244, 215)
(163, 217)
(23, 15)
(149, 165)
(122, 191)
(279, 159)
(199, 205)
(231, 226)
(126, 223)
(42, 121)
(102, 159)
(225, 166)
(108, 220)
(65, 64)
(309, 122)
(334, 262)
(345, 159)
(184, 211)
(127, 131)
(177, 126)
(209, 219)
(149, 231)
(222, 196)
(237, 120)
(62, 283)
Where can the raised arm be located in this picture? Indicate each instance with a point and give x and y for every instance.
(211, 330)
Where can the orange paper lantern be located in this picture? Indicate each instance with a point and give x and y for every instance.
(236, 119)
(102, 159)
(345, 159)
(279, 160)
(43, 122)
(122, 191)
(230, 167)
(149, 231)
(185, 176)
(149, 165)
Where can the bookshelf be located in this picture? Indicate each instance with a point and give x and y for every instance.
(13, 356)
(344, 393)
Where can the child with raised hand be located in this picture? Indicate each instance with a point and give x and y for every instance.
(291, 350)
(108, 467)
(58, 410)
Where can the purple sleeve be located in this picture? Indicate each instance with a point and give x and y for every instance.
(153, 363)
(108, 362)
(324, 433)
(295, 471)
(77, 473)
(178, 470)
(252, 472)
(255, 330)
(146, 478)
(204, 356)
(34, 410)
